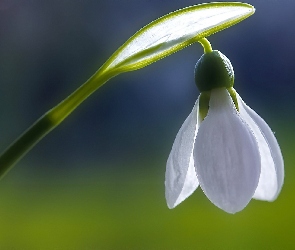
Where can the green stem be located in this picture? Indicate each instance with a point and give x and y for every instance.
(50, 120)
(206, 45)
(55, 116)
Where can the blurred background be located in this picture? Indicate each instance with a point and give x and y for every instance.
(97, 181)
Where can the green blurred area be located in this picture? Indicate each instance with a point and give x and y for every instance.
(120, 209)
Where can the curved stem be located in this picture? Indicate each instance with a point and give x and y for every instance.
(206, 45)
(50, 120)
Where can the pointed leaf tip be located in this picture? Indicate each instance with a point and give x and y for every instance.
(175, 31)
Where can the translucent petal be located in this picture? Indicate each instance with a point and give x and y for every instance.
(272, 164)
(226, 155)
(175, 31)
(181, 179)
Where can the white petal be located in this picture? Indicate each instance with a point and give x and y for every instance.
(272, 164)
(226, 155)
(181, 179)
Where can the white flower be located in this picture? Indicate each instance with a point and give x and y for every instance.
(232, 154)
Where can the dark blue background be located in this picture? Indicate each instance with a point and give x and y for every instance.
(49, 48)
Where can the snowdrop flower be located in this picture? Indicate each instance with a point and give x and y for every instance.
(223, 145)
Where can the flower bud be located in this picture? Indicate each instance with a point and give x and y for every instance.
(214, 70)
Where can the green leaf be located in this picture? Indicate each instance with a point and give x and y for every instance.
(175, 31)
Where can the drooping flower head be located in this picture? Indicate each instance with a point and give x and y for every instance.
(223, 145)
